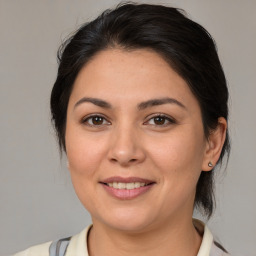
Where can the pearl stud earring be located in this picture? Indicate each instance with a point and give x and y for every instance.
(210, 164)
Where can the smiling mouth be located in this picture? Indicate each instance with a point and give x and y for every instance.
(128, 186)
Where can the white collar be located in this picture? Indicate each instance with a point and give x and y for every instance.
(78, 243)
(207, 240)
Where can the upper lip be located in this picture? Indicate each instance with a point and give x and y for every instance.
(126, 180)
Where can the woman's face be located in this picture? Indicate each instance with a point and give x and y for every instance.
(134, 140)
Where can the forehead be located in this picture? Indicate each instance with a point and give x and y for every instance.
(137, 74)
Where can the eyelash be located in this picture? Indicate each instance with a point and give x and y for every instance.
(86, 119)
(165, 117)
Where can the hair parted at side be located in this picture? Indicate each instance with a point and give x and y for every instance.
(184, 44)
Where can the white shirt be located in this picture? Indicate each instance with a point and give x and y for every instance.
(78, 244)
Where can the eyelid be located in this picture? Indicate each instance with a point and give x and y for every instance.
(86, 118)
(170, 119)
(167, 117)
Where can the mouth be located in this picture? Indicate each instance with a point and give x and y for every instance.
(130, 185)
(127, 188)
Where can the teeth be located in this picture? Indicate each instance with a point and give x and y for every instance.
(121, 185)
(132, 185)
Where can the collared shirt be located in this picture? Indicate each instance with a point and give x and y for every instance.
(78, 244)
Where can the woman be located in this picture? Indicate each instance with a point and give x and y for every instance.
(140, 109)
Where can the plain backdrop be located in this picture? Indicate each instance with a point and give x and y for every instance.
(37, 200)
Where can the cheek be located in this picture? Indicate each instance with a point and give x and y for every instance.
(84, 156)
(179, 156)
(84, 150)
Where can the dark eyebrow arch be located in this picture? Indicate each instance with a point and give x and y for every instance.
(157, 102)
(95, 101)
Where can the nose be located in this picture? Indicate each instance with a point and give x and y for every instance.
(126, 147)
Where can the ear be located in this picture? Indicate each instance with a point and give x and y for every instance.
(214, 145)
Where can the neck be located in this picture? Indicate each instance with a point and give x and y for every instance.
(176, 238)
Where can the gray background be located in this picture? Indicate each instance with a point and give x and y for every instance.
(36, 197)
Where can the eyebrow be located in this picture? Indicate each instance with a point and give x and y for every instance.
(140, 106)
(157, 102)
(95, 101)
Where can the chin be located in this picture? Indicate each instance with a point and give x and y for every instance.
(130, 226)
(129, 221)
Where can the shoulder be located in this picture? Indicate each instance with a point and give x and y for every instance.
(39, 250)
(208, 246)
(77, 246)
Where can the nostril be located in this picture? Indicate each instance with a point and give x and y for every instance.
(123, 162)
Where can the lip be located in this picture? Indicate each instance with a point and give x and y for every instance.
(126, 180)
(127, 194)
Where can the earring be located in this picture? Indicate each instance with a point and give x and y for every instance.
(210, 164)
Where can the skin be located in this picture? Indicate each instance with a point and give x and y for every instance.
(129, 142)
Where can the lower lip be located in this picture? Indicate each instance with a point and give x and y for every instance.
(127, 194)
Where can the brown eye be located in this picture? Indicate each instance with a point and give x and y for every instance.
(95, 121)
(159, 120)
